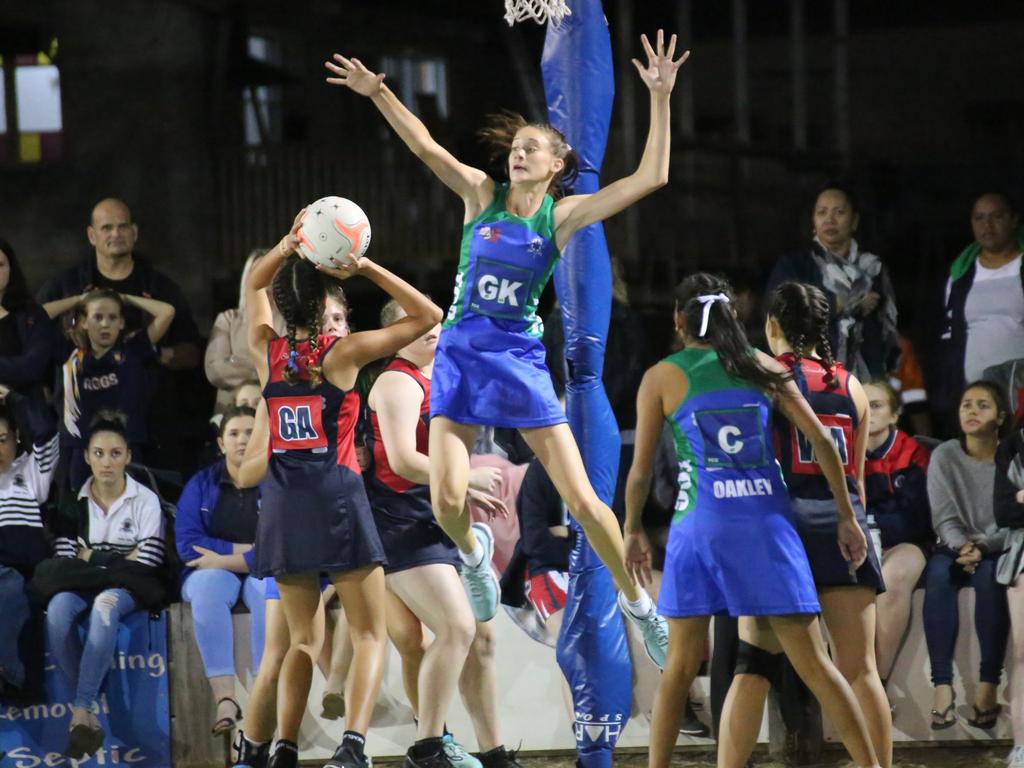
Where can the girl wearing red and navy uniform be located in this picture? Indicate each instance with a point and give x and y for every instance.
(314, 515)
(423, 563)
(896, 485)
(797, 332)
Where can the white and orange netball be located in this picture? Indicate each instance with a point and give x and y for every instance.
(334, 232)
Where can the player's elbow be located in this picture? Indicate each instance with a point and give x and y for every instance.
(434, 315)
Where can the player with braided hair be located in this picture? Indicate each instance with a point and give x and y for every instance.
(314, 515)
(797, 332)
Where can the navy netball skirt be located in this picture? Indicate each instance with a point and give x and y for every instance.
(817, 522)
(408, 530)
(314, 517)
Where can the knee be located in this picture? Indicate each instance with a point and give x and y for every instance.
(856, 666)
(408, 642)
(752, 660)
(209, 589)
(485, 645)
(60, 610)
(108, 608)
(458, 634)
(586, 509)
(448, 497)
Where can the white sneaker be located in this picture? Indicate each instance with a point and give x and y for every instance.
(1016, 758)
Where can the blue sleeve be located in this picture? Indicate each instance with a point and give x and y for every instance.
(37, 341)
(905, 516)
(189, 531)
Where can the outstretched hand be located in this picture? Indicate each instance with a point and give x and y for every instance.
(345, 271)
(352, 74)
(290, 242)
(660, 73)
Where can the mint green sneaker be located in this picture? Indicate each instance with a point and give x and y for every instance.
(457, 755)
(481, 584)
(654, 631)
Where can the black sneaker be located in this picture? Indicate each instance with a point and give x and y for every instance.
(499, 757)
(346, 756)
(691, 725)
(251, 755)
(284, 758)
(437, 760)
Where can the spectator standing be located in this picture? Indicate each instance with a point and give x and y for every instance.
(107, 372)
(862, 329)
(176, 432)
(984, 321)
(26, 333)
(24, 485)
(896, 490)
(960, 492)
(215, 528)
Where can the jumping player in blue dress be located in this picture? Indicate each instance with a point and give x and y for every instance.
(733, 547)
(797, 332)
(490, 361)
(314, 515)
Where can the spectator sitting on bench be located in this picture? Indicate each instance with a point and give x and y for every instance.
(24, 486)
(896, 482)
(215, 528)
(960, 492)
(110, 553)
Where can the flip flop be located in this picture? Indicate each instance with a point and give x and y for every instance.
(985, 718)
(939, 719)
(225, 724)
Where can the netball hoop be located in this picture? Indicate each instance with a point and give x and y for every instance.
(538, 10)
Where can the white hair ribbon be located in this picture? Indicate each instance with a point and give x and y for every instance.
(707, 300)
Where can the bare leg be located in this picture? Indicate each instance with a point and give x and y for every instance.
(434, 593)
(686, 639)
(261, 713)
(557, 450)
(300, 600)
(478, 685)
(362, 595)
(850, 617)
(450, 445)
(338, 649)
(406, 633)
(800, 637)
(743, 709)
(902, 567)
(223, 688)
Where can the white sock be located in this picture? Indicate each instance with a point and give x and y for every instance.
(641, 606)
(474, 558)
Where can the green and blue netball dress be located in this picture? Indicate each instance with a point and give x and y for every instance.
(489, 368)
(732, 547)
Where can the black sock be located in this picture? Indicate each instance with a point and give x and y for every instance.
(286, 753)
(427, 747)
(285, 744)
(355, 740)
(492, 754)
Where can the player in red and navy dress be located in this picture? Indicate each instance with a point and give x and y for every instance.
(797, 332)
(314, 514)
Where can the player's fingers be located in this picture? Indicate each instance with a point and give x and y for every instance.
(671, 48)
(346, 63)
(678, 63)
(648, 576)
(647, 46)
(661, 42)
(359, 67)
(639, 66)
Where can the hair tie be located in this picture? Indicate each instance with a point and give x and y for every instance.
(707, 300)
(292, 364)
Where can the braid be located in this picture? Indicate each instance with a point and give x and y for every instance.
(802, 312)
(826, 358)
(299, 291)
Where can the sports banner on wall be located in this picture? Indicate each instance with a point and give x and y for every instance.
(133, 708)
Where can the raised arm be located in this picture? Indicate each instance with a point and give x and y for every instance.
(366, 346)
(254, 464)
(58, 307)
(578, 211)
(161, 312)
(471, 184)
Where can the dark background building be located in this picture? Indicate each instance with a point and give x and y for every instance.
(212, 120)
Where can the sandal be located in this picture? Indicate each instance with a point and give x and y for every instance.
(985, 718)
(941, 720)
(226, 724)
(83, 740)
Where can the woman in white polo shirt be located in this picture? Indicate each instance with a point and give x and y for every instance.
(117, 525)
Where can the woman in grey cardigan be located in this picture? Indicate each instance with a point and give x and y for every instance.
(960, 487)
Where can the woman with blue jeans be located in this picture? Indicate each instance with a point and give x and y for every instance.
(960, 491)
(215, 527)
(110, 549)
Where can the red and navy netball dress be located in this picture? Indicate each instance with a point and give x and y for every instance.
(314, 514)
(401, 509)
(817, 518)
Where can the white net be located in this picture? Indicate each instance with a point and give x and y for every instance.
(538, 10)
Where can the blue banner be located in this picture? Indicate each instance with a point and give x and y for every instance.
(133, 708)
